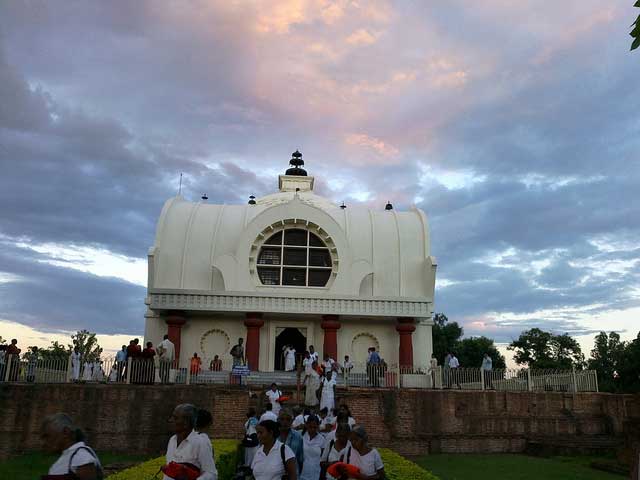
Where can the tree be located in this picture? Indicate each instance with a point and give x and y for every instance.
(56, 351)
(566, 352)
(470, 352)
(87, 344)
(544, 350)
(445, 336)
(605, 358)
(635, 31)
(629, 367)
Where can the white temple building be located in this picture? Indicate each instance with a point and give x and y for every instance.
(291, 268)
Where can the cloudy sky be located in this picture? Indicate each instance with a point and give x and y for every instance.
(514, 125)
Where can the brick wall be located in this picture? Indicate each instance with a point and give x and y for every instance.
(134, 418)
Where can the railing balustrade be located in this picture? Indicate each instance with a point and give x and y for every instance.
(137, 371)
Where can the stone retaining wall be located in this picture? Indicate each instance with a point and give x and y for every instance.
(133, 418)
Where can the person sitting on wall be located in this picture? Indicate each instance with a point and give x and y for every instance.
(216, 364)
(77, 460)
(186, 449)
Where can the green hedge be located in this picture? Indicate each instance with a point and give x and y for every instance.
(395, 466)
(225, 456)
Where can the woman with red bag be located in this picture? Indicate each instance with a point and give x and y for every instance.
(187, 456)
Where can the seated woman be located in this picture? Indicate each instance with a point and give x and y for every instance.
(364, 457)
(273, 458)
(186, 448)
(77, 460)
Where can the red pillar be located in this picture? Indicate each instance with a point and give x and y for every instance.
(254, 323)
(175, 321)
(405, 327)
(330, 324)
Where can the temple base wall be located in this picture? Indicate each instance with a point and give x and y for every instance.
(133, 419)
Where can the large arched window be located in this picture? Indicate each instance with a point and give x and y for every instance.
(294, 257)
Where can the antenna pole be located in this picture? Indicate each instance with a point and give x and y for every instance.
(180, 187)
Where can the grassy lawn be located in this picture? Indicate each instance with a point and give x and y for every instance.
(511, 467)
(33, 465)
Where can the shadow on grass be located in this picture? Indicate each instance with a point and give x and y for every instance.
(512, 467)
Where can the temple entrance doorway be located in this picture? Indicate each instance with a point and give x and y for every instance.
(288, 336)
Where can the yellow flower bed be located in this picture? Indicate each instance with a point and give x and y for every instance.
(396, 467)
(147, 470)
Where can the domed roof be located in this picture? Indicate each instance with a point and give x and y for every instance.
(307, 197)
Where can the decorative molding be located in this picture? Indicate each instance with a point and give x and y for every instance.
(302, 330)
(374, 341)
(211, 332)
(295, 304)
(280, 226)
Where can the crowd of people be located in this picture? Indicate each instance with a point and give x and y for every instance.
(307, 444)
(303, 443)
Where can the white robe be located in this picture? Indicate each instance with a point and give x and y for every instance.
(87, 373)
(328, 398)
(273, 397)
(312, 452)
(75, 366)
(289, 359)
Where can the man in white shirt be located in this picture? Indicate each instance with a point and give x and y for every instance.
(186, 445)
(121, 361)
(167, 352)
(454, 364)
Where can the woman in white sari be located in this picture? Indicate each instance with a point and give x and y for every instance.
(289, 358)
(312, 383)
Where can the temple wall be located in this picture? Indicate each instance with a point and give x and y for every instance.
(215, 334)
(133, 418)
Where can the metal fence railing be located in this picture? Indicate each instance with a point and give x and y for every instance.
(13, 368)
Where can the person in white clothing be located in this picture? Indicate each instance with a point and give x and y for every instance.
(433, 369)
(187, 446)
(313, 443)
(166, 353)
(364, 457)
(301, 418)
(307, 363)
(274, 394)
(268, 414)
(289, 358)
(75, 364)
(60, 435)
(454, 364)
(313, 355)
(328, 398)
(273, 458)
(335, 448)
(250, 440)
(329, 421)
(87, 371)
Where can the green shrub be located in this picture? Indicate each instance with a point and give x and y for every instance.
(225, 456)
(396, 467)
